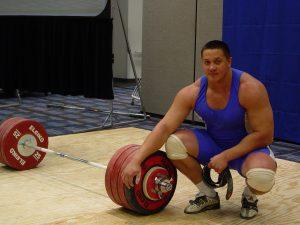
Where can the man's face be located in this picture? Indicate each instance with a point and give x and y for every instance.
(215, 64)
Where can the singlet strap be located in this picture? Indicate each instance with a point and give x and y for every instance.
(203, 85)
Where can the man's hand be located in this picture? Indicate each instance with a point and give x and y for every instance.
(130, 171)
(218, 163)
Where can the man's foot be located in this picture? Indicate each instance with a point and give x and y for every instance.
(249, 208)
(202, 203)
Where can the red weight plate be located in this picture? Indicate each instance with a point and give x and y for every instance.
(120, 186)
(17, 156)
(109, 174)
(162, 161)
(8, 124)
(115, 173)
(3, 127)
(149, 182)
(15, 134)
(136, 197)
(117, 177)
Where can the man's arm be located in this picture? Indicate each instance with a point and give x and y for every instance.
(181, 107)
(254, 98)
(179, 110)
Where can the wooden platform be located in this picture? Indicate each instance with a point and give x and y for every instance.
(60, 191)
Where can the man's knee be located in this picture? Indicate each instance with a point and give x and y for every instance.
(260, 179)
(175, 148)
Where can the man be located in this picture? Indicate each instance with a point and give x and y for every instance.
(228, 100)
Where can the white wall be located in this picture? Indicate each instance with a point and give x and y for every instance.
(135, 34)
(119, 43)
(132, 12)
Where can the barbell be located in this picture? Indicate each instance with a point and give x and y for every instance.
(24, 144)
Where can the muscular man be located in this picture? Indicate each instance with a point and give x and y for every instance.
(228, 100)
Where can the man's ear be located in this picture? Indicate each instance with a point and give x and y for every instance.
(230, 61)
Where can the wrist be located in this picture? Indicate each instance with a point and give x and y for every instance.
(137, 159)
(226, 156)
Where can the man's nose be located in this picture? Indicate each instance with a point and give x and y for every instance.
(212, 67)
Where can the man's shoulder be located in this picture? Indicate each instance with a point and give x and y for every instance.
(197, 83)
(251, 89)
(248, 83)
(191, 89)
(189, 93)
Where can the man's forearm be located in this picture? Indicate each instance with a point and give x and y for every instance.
(249, 143)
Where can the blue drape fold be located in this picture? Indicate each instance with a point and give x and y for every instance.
(264, 37)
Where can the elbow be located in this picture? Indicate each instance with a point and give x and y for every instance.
(164, 128)
(266, 139)
(269, 140)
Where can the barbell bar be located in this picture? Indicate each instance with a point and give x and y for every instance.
(64, 155)
(164, 185)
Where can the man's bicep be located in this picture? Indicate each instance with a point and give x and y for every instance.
(260, 115)
(179, 110)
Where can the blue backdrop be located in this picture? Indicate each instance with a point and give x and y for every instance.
(264, 37)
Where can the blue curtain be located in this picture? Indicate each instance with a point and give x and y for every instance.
(264, 37)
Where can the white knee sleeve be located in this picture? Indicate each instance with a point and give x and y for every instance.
(175, 149)
(261, 179)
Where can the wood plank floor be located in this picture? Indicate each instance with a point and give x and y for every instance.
(61, 191)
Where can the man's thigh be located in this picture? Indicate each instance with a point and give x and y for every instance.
(207, 148)
(239, 163)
